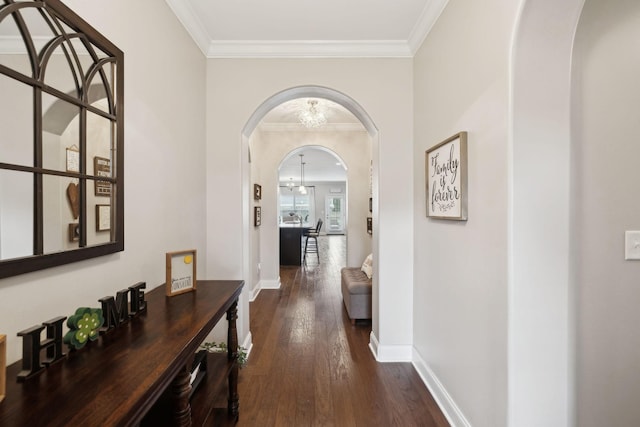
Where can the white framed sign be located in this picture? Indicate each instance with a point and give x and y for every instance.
(446, 178)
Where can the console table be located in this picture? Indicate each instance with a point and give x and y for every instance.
(116, 380)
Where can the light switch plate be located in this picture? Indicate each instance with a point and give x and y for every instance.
(632, 245)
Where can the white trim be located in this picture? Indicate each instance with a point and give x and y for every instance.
(190, 21)
(373, 344)
(444, 400)
(309, 49)
(248, 344)
(299, 127)
(306, 48)
(427, 20)
(264, 284)
(393, 353)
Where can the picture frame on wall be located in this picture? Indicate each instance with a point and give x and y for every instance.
(102, 167)
(257, 191)
(103, 217)
(257, 216)
(181, 272)
(446, 179)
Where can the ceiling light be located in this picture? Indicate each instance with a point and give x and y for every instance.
(314, 116)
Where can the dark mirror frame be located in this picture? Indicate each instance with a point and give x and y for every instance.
(39, 261)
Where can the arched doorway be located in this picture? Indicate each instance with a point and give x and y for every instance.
(291, 94)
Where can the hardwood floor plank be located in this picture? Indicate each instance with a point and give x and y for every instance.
(311, 367)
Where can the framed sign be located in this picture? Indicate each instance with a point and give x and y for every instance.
(257, 216)
(103, 217)
(257, 191)
(181, 272)
(446, 179)
(102, 167)
(73, 159)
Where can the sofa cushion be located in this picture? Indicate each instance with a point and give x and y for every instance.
(356, 282)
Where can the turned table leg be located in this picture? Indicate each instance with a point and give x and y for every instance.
(232, 348)
(180, 388)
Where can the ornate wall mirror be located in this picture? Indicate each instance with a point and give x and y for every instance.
(61, 138)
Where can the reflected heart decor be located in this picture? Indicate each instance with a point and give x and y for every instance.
(74, 200)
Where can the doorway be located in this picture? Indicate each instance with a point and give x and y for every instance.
(335, 213)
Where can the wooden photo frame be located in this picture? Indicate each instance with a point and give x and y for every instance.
(74, 232)
(257, 216)
(257, 191)
(446, 179)
(102, 167)
(103, 217)
(181, 272)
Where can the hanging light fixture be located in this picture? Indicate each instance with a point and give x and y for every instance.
(302, 188)
(290, 184)
(314, 116)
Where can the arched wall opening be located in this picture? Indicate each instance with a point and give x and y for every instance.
(541, 348)
(253, 122)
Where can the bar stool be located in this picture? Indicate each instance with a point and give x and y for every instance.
(312, 247)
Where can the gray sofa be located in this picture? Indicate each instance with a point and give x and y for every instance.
(356, 293)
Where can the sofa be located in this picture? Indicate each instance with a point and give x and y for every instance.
(356, 293)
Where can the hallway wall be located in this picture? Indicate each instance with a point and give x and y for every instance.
(460, 291)
(164, 170)
(237, 87)
(606, 185)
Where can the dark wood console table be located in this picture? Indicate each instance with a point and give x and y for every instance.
(117, 380)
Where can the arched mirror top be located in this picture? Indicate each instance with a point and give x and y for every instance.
(61, 149)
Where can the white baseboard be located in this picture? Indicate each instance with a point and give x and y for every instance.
(264, 284)
(441, 396)
(248, 343)
(389, 353)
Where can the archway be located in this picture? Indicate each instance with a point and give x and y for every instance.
(541, 360)
(290, 94)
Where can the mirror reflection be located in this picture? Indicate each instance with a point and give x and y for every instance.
(61, 145)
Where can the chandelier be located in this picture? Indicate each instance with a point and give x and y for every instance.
(314, 116)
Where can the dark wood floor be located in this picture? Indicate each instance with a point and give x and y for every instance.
(310, 367)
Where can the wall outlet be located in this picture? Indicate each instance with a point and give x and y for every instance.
(632, 245)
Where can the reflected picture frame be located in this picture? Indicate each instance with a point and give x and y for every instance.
(257, 216)
(181, 272)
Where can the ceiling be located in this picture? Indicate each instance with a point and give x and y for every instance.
(308, 29)
(305, 28)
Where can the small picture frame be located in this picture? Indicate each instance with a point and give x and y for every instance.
(181, 272)
(3, 367)
(257, 216)
(74, 232)
(257, 191)
(446, 179)
(102, 167)
(73, 159)
(103, 217)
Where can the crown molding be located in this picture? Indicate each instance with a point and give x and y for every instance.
(190, 21)
(309, 49)
(297, 127)
(305, 48)
(427, 20)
